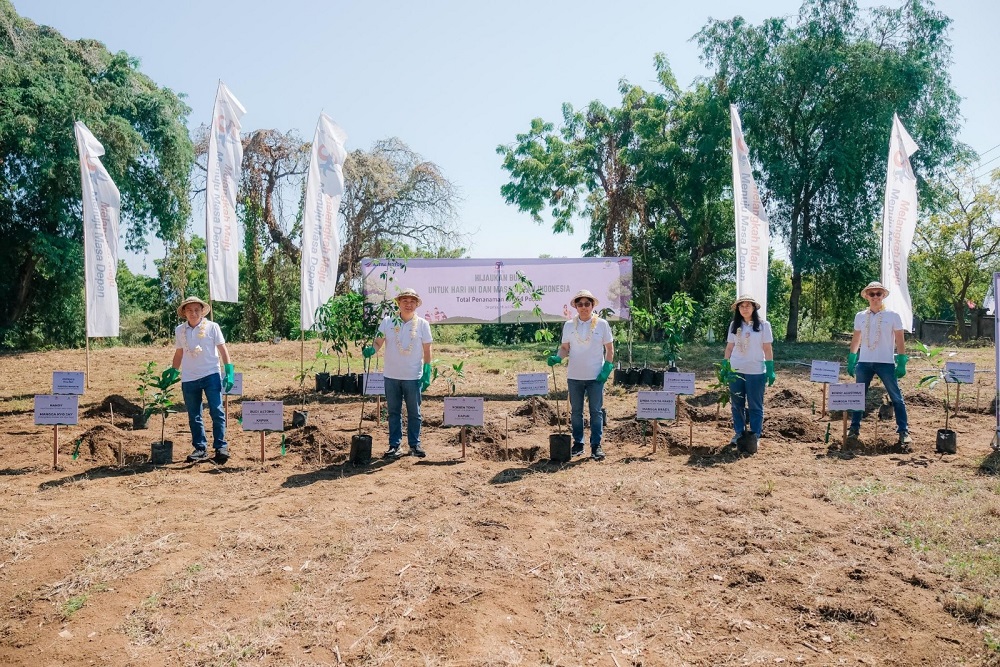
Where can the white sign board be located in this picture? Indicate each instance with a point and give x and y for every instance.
(960, 371)
(678, 383)
(532, 384)
(463, 411)
(56, 410)
(825, 371)
(67, 382)
(847, 396)
(262, 416)
(237, 389)
(656, 405)
(374, 384)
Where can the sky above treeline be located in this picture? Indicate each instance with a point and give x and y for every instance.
(452, 79)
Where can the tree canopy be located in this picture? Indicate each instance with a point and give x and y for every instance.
(46, 83)
(816, 95)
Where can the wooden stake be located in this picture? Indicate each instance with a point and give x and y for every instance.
(461, 436)
(262, 448)
(823, 413)
(656, 423)
(958, 392)
(977, 395)
(55, 446)
(506, 436)
(87, 336)
(378, 410)
(690, 434)
(844, 438)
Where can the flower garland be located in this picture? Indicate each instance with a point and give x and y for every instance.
(869, 343)
(743, 339)
(200, 330)
(590, 332)
(413, 336)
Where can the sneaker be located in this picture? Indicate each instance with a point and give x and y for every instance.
(904, 438)
(393, 453)
(735, 440)
(197, 456)
(597, 453)
(853, 434)
(221, 455)
(577, 449)
(418, 451)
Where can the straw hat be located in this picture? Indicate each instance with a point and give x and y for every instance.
(410, 292)
(584, 294)
(874, 285)
(744, 297)
(190, 300)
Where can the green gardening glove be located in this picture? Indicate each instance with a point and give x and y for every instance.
(425, 378)
(229, 380)
(368, 351)
(901, 360)
(605, 371)
(769, 371)
(852, 362)
(554, 359)
(171, 375)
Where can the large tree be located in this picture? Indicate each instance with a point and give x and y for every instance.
(46, 83)
(816, 95)
(958, 246)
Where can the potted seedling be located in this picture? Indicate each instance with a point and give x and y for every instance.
(560, 444)
(947, 439)
(301, 417)
(147, 381)
(161, 403)
(365, 318)
(677, 316)
(323, 377)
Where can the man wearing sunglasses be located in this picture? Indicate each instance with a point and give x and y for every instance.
(877, 334)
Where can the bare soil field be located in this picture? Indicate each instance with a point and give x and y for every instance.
(806, 553)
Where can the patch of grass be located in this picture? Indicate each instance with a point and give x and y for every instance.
(767, 488)
(972, 608)
(858, 493)
(73, 605)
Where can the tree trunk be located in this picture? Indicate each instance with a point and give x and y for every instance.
(792, 333)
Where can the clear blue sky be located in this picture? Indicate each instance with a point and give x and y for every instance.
(452, 79)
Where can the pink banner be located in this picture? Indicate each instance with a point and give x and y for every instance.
(473, 291)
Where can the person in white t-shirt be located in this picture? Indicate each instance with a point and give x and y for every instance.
(877, 334)
(407, 341)
(588, 342)
(198, 348)
(749, 363)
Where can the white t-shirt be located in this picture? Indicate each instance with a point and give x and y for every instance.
(878, 335)
(200, 344)
(586, 346)
(404, 348)
(748, 347)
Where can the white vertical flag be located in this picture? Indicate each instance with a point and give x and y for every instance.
(225, 157)
(320, 235)
(899, 222)
(101, 207)
(753, 236)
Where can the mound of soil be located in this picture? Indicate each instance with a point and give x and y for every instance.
(539, 409)
(122, 407)
(313, 440)
(706, 400)
(924, 399)
(99, 445)
(705, 414)
(787, 398)
(795, 427)
(885, 444)
(629, 433)
(495, 451)
(488, 433)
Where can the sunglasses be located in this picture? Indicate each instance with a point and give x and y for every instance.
(584, 302)
(876, 293)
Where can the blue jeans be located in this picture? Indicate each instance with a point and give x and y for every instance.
(863, 373)
(397, 391)
(748, 388)
(594, 391)
(212, 386)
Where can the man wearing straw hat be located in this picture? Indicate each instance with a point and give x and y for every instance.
(588, 342)
(199, 345)
(407, 342)
(877, 333)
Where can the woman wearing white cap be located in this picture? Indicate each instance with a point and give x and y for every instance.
(407, 342)
(750, 362)
(588, 342)
(877, 334)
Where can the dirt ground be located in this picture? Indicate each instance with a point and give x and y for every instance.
(806, 553)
